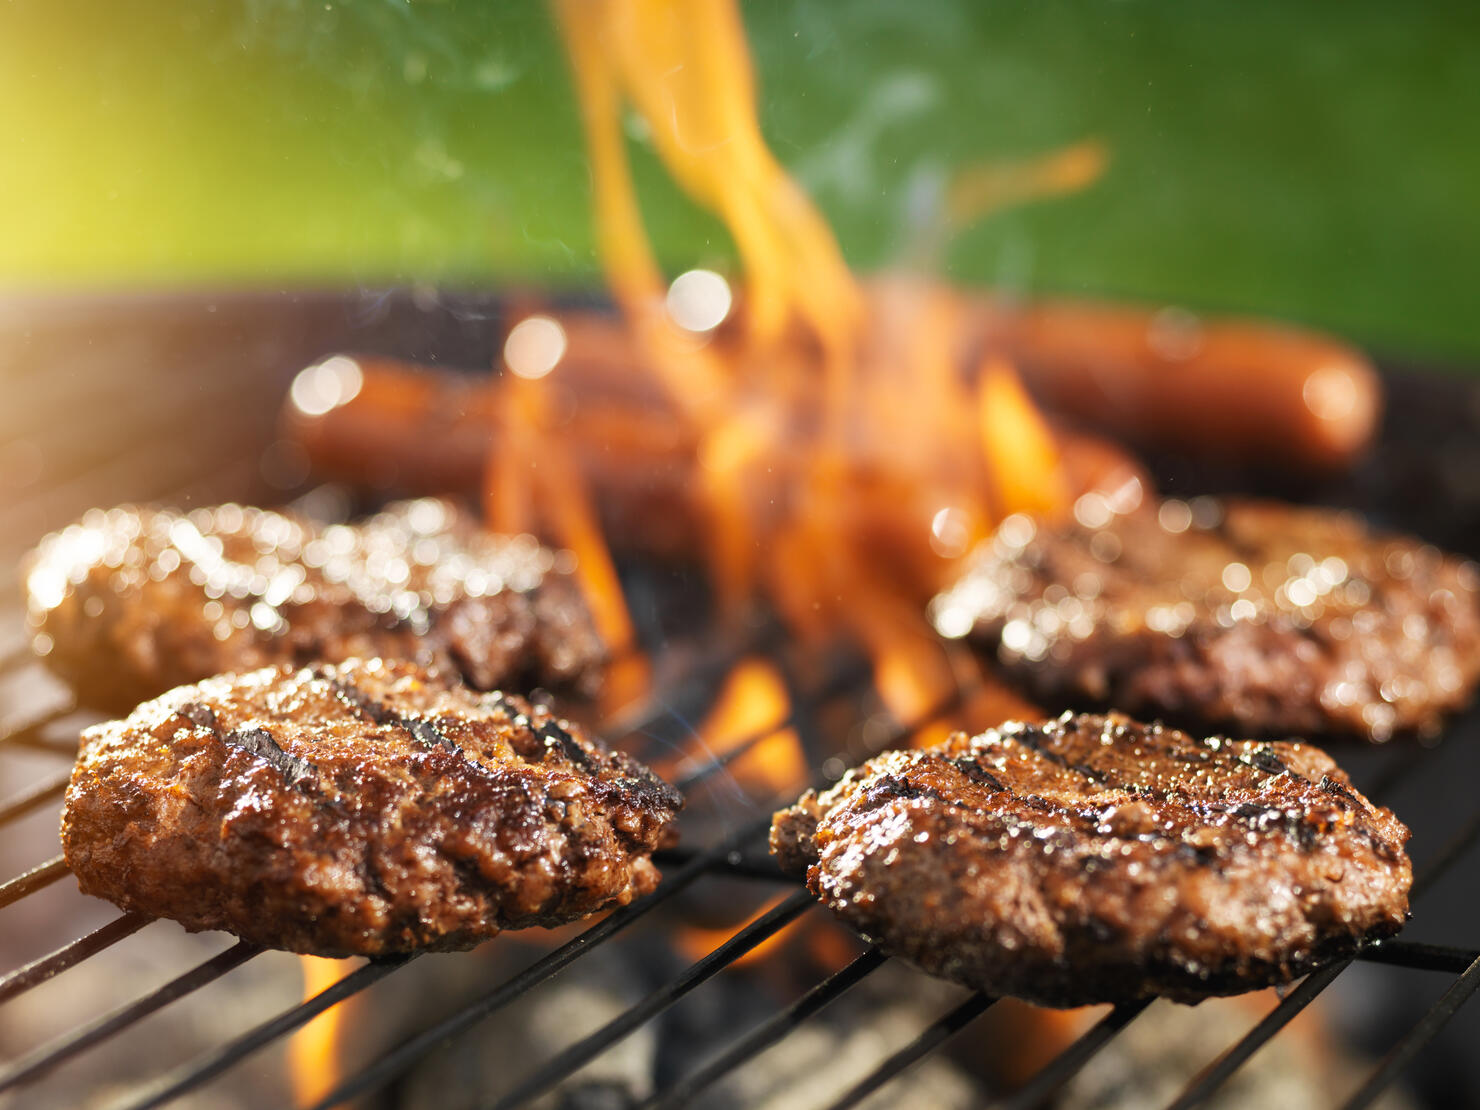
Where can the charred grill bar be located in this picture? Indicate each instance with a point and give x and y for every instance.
(50, 733)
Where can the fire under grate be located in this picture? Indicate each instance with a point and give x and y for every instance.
(736, 854)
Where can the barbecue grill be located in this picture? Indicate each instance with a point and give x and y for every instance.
(174, 399)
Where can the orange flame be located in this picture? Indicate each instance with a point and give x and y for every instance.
(753, 703)
(984, 189)
(909, 684)
(831, 945)
(527, 472)
(695, 942)
(313, 1052)
(776, 401)
(685, 67)
(1020, 450)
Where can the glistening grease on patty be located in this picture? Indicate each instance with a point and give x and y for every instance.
(1268, 619)
(1094, 859)
(130, 602)
(361, 808)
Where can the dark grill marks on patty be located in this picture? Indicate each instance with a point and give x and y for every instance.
(381, 714)
(358, 808)
(1268, 619)
(258, 741)
(1094, 859)
(131, 602)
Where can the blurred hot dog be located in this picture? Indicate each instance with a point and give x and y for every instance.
(409, 430)
(1243, 390)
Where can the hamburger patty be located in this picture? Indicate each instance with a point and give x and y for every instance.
(1094, 859)
(361, 808)
(131, 602)
(1268, 619)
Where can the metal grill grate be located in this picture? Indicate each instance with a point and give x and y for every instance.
(736, 856)
(739, 855)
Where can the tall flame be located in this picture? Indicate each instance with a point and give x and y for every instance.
(313, 1053)
(752, 710)
(685, 67)
(815, 359)
(844, 450)
(526, 472)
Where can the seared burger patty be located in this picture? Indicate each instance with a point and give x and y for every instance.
(1268, 619)
(131, 602)
(1094, 859)
(364, 808)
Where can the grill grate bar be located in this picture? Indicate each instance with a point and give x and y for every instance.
(28, 733)
(1420, 957)
(37, 1063)
(42, 875)
(1214, 1076)
(715, 763)
(927, 1042)
(47, 790)
(213, 1063)
(635, 721)
(47, 967)
(403, 1055)
(1405, 1050)
(737, 865)
(62, 749)
(1067, 1064)
(848, 680)
(570, 1060)
(769, 1032)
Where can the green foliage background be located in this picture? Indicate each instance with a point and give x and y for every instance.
(1311, 161)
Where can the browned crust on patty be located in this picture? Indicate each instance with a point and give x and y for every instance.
(365, 808)
(1094, 859)
(131, 602)
(1267, 619)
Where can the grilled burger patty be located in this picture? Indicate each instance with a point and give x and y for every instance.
(1094, 859)
(1268, 619)
(131, 602)
(360, 808)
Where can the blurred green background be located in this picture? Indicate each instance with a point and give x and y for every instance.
(1313, 162)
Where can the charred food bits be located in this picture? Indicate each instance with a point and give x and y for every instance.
(1094, 859)
(130, 602)
(364, 808)
(1268, 619)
